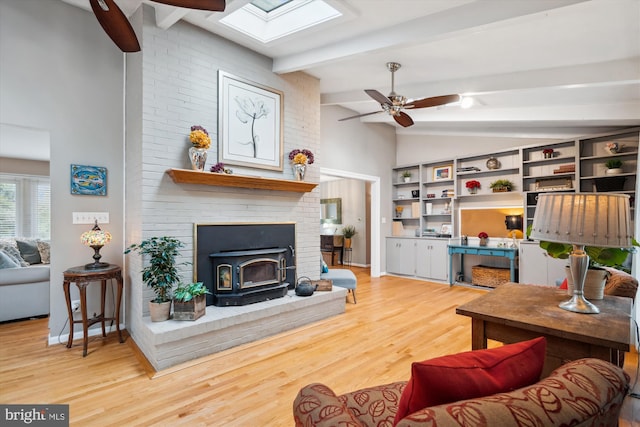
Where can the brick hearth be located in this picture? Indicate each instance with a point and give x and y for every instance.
(175, 342)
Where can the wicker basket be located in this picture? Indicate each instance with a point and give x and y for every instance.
(609, 183)
(491, 277)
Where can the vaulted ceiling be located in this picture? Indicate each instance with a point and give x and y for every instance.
(534, 68)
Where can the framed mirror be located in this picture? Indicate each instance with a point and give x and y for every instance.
(331, 211)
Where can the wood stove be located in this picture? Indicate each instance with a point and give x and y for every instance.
(250, 276)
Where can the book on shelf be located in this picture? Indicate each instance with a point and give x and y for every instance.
(415, 209)
(569, 168)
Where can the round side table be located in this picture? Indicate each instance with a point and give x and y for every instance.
(82, 277)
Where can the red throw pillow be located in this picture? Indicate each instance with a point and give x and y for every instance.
(472, 374)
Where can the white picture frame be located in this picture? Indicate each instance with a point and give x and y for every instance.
(250, 123)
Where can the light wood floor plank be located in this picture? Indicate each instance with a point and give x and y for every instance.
(395, 322)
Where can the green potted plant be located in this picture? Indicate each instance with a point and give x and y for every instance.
(614, 166)
(406, 175)
(189, 301)
(501, 185)
(348, 231)
(161, 274)
(598, 257)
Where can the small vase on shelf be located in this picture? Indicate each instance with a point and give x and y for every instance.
(473, 190)
(299, 171)
(484, 241)
(198, 158)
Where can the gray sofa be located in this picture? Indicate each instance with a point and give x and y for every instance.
(24, 289)
(24, 292)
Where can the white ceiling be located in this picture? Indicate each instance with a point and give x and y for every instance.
(552, 68)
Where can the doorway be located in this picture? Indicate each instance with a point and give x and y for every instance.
(372, 215)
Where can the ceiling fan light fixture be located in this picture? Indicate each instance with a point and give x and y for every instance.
(466, 102)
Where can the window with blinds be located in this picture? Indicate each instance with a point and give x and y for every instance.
(25, 206)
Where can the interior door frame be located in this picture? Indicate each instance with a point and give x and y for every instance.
(374, 229)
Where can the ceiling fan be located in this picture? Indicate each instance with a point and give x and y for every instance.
(117, 26)
(394, 103)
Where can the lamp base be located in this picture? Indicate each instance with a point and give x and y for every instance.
(96, 265)
(578, 304)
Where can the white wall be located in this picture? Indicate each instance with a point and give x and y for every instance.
(412, 149)
(363, 148)
(59, 72)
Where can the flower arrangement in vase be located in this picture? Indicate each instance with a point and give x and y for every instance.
(472, 186)
(201, 141)
(484, 238)
(547, 153)
(612, 147)
(300, 159)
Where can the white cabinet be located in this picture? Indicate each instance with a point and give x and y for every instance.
(426, 258)
(401, 256)
(432, 259)
(538, 268)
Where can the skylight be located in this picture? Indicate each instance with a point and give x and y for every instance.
(269, 20)
(269, 5)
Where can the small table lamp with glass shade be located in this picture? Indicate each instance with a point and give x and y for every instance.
(585, 219)
(513, 223)
(96, 239)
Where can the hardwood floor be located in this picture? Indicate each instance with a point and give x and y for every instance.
(395, 322)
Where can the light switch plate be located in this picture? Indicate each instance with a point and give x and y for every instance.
(90, 217)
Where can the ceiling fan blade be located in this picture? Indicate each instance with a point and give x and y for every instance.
(378, 96)
(212, 5)
(403, 119)
(432, 102)
(115, 24)
(359, 115)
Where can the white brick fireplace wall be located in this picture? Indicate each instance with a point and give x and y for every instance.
(172, 87)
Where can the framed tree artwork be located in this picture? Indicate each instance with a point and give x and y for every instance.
(250, 123)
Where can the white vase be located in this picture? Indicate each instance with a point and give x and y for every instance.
(198, 158)
(299, 171)
(594, 283)
(614, 171)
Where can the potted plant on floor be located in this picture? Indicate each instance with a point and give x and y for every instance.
(189, 301)
(161, 274)
(348, 231)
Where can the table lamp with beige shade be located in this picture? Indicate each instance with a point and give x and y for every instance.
(584, 219)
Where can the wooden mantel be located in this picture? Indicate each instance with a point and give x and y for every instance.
(186, 176)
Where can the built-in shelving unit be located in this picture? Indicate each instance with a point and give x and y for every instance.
(565, 166)
(436, 193)
(547, 168)
(488, 168)
(186, 176)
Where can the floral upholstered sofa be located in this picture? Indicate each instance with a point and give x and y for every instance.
(585, 392)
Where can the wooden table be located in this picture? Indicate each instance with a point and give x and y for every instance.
(514, 312)
(509, 253)
(82, 277)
